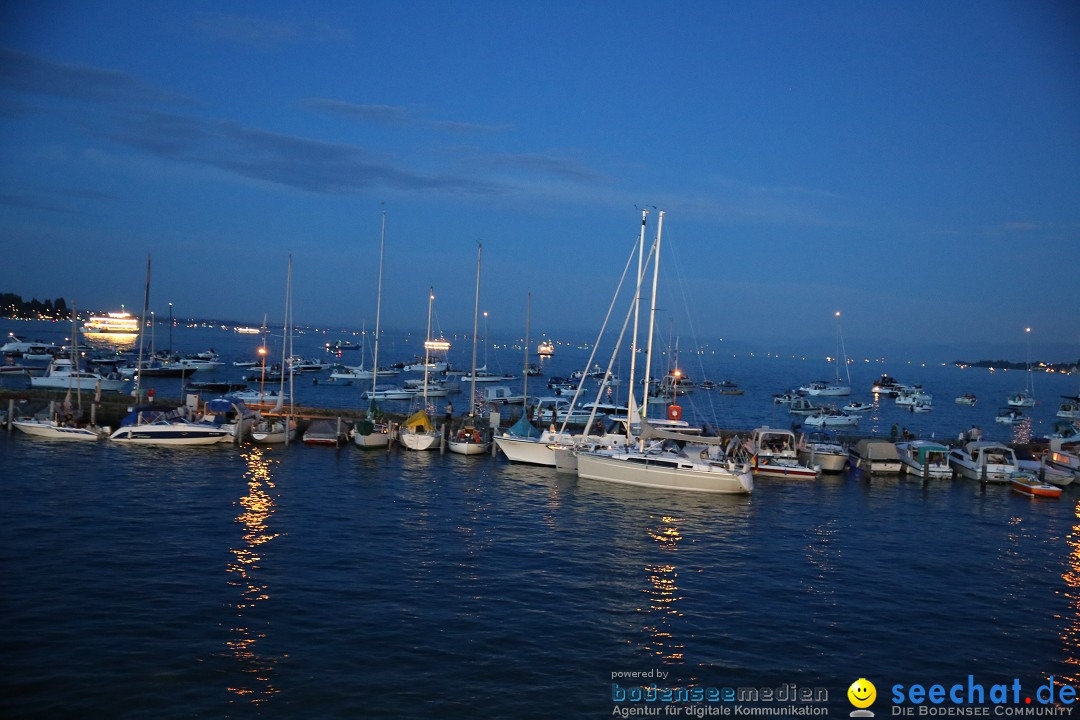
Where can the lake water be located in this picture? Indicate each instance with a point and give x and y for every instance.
(307, 582)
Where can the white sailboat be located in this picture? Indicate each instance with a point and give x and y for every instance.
(469, 439)
(371, 433)
(418, 432)
(708, 470)
(1026, 397)
(839, 387)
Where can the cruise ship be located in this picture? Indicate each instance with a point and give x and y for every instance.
(113, 324)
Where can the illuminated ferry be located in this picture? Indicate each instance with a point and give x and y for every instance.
(114, 323)
(545, 348)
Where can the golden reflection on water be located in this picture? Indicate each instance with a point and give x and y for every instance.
(1070, 633)
(662, 596)
(257, 506)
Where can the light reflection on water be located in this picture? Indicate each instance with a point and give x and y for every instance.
(257, 508)
(662, 595)
(1070, 634)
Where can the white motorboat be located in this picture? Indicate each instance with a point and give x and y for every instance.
(821, 448)
(1008, 415)
(911, 395)
(924, 458)
(158, 425)
(326, 432)
(1064, 456)
(966, 399)
(886, 385)
(1041, 467)
(1070, 407)
(832, 418)
(802, 405)
(63, 374)
(557, 410)
(231, 415)
(774, 453)
(982, 460)
(858, 407)
(875, 456)
(59, 430)
(469, 440)
(28, 349)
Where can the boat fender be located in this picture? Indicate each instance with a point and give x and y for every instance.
(674, 412)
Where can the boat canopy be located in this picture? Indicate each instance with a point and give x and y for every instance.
(524, 428)
(419, 421)
(874, 449)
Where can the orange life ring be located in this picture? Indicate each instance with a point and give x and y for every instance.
(674, 412)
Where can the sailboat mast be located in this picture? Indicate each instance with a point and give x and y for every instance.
(475, 327)
(142, 334)
(378, 309)
(427, 343)
(652, 312)
(525, 368)
(637, 305)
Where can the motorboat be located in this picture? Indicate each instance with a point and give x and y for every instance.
(556, 410)
(924, 458)
(858, 407)
(921, 406)
(1029, 484)
(166, 425)
(63, 374)
(545, 348)
(17, 347)
(1063, 456)
(231, 415)
(823, 449)
(1020, 399)
(966, 399)
(326, 432)
(832, 418)
(258, 397)
(984, 461)
(912, 395)
(1041, 466)
(785, 398)
(886, 385)
(1008, 415)
(1070, 407)
(875, 456)
(773, 453)
(802, 405)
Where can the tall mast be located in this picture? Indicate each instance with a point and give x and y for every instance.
(525, 369)
(142, 333)
(378, 309)
(652, 313)
(631, 401)
(475, 322)
(427, 343)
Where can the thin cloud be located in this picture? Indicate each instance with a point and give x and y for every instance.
(30, 74)
(393, 115)
(266, 34)
(311, 165)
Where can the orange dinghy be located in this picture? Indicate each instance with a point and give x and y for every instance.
(1029, 484)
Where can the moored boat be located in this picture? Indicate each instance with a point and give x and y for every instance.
(966, 399)
(924, 458)
(1029, 484)
(875, 456)
(984, 461)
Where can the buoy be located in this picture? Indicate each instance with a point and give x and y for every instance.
(674, 412)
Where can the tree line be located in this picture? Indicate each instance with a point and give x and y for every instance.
(13, 306)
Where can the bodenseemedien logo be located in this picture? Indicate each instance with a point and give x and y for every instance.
(862, 694)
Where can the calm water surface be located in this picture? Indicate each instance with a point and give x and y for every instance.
(306, 582)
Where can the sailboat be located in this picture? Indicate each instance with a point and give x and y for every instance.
(710, 469)
(1026, 397)
(469, 439)
(281, 429)
(418, 432)
(370, 432)
(839, 387)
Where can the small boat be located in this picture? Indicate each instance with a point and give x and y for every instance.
(545, 348)
(785, 398)
(326, 432)
(63, 374)
(1026, 482)
(28, 349)
(774, 453)
(230, 415)
(1008, 415)
(469, 440)
(857, 407)
(924, 458)
(165, 425)
(886, 385)
(245, 363)
(966, 399)
(341, 345)
(921, 406)
(984, 461)
(832, 418)
(803, 406)
(874, 456)
(912, 395)
(821, 448)
(273, 431)
(254, 397)
(1070, 407)
(53, 429)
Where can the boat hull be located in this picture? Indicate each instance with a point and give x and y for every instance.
(169, 435)
(49, 430)
(665, 474)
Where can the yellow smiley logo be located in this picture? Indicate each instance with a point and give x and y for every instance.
(862, 693)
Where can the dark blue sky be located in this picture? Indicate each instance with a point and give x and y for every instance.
(915, 165)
